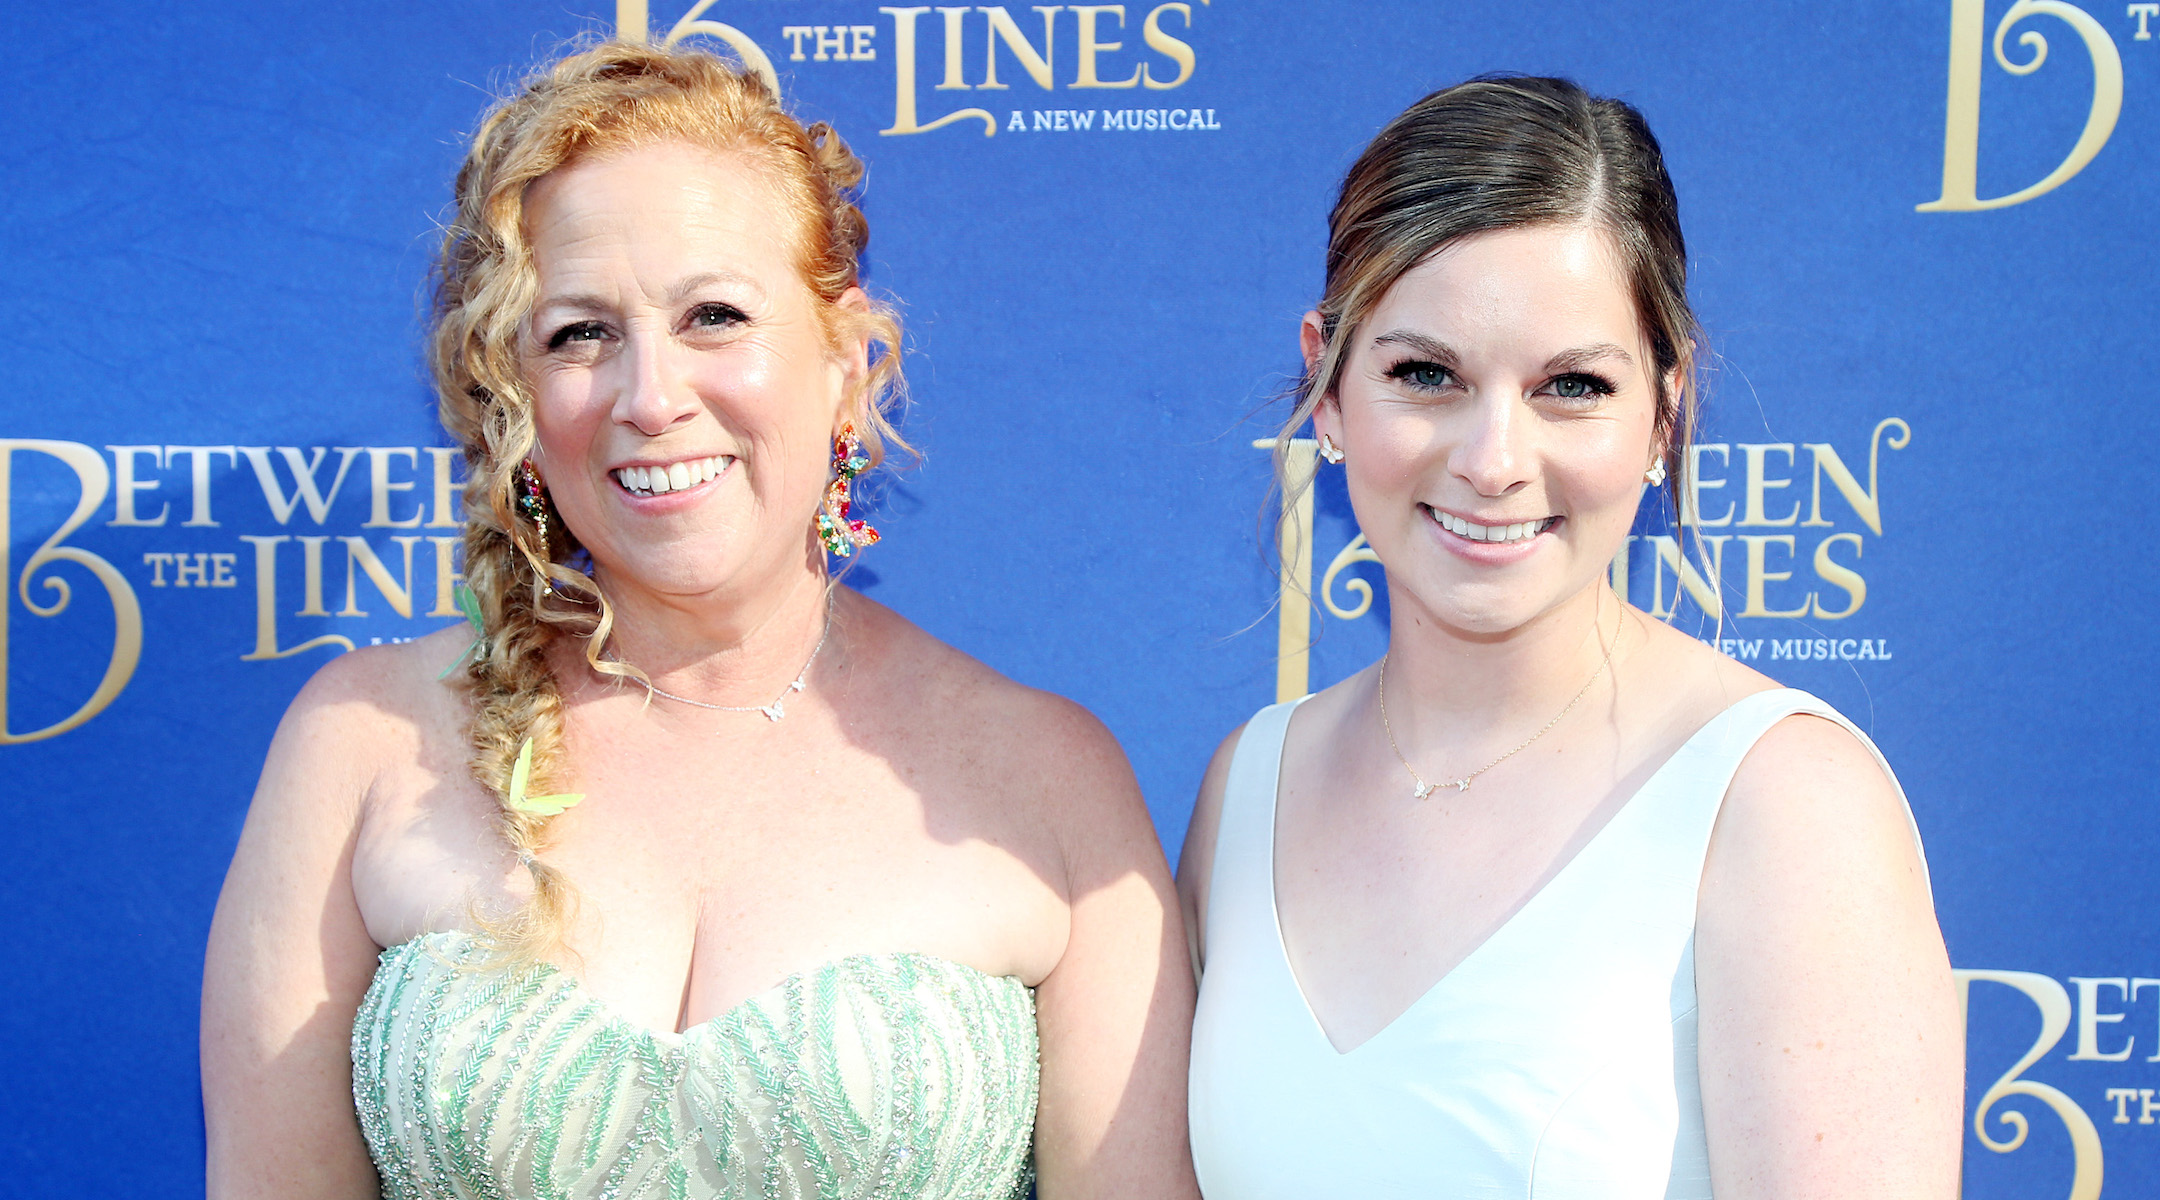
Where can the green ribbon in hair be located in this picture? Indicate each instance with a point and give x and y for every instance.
(468, 604)
(539, 806)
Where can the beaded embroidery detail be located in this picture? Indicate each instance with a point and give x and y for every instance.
(872, 1077)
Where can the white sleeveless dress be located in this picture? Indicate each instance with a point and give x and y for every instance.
(1557, 1062)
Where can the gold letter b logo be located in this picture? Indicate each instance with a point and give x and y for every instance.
(1961, 126)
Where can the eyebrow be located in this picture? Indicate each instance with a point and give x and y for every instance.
(1583, 356)
(695, 283)
(683, 290)
(1417, 343)
(583, 302)
(1572, 359)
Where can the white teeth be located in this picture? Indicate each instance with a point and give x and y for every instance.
(1490, 533)
(659, 481)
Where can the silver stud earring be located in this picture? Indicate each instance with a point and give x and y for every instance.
(1655, 476)
(1329, 450)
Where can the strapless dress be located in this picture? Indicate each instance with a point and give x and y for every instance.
(878, 1075)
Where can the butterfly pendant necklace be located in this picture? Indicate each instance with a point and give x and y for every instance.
(778, 708)
(1421, 789)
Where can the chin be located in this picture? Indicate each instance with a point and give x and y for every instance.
(1481, 610)
(668, 574)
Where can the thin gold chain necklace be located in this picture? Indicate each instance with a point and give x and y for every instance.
(771, 712)
(1423, 789)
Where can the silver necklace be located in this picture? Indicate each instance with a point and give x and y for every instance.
(778, 708)
(1423, 789)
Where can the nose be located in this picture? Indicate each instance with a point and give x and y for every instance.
(1492, 455)
(652, 394)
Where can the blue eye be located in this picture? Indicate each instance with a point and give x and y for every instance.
(1423, 376)
(1580, 386)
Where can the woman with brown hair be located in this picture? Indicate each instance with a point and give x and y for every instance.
(1553, 900)
(689, 871)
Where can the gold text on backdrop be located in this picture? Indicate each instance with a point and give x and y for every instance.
(632, 24)
(92, 480)
(1961, 121)
(1096, 45)
(1093, 22)
(1760, 499)
(2054, 1004)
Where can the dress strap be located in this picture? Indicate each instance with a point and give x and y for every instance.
(1710, 760)
(1242, 874)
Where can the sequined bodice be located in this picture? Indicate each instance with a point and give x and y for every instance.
(881, 1075)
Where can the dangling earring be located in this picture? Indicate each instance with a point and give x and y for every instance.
(533, 506)
(1329, 450)
(533, 503)
(840, 535)
(1655, 476)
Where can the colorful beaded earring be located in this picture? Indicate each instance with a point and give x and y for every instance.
(840, 535)
(532, 504)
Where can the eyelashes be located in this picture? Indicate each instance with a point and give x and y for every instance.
(1424, 375)
(712, 315)
(1421, 375)
(703, 316)
(1580, 385)
(576, 331)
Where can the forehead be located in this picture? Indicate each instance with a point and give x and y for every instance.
(1527, 284)
(662, 209)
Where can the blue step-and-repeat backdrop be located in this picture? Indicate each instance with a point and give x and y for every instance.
(1925, 241)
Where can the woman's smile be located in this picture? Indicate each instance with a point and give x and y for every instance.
(1495, 541)
(648, 480)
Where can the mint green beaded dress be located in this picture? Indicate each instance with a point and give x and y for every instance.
(880, 1075)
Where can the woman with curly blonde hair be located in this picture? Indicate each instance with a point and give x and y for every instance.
(695, 873)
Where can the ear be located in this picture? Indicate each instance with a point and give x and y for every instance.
(1312, 341)
(851, 357)
(1661, 441)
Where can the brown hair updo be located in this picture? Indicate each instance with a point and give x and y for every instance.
(611, 97)
(1495, 153)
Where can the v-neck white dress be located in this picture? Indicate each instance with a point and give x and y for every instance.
(1556, 1062)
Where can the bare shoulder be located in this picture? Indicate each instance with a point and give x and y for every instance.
(968, 700)
(1810, 778)
(1831, 1059)
(368, 707)
(1815, 843)
(1022, 743)
(1806, 773)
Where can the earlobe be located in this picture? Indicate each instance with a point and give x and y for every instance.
(1326, 416)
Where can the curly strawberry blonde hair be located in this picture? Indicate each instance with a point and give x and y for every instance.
(605, 99)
